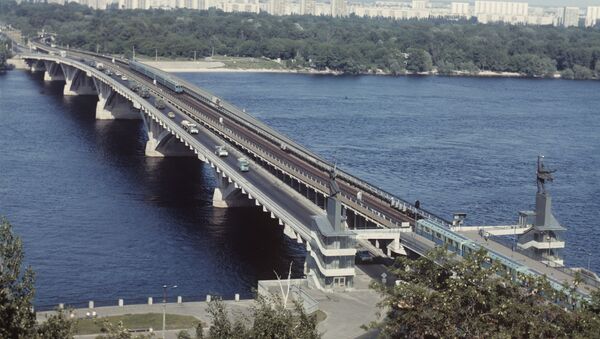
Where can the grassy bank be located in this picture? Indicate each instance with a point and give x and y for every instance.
(137, 321)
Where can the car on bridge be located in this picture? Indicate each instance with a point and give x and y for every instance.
(160, 104)
(221, 151)
(171, 115)
(243, 164)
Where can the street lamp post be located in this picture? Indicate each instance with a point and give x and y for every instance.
(165, 308)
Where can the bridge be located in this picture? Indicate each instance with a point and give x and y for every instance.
(326, 209)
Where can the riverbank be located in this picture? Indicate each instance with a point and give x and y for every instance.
(254, 65)
(17, 63)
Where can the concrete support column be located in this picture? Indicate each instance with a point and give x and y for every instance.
(77, 82)
(226, 194)
(37, 66)
(111, 105)
(161, 142)
(53, 72)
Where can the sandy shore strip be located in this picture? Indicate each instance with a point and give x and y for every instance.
(220, 67)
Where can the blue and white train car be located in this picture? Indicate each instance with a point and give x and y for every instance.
(160, 77)
(464, 246)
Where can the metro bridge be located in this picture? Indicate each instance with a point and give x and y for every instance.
(320, 206)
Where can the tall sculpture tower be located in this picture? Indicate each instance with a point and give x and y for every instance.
(544, 241)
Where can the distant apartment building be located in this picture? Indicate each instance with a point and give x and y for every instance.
(339, 8)
(128, 4)
(501, 11)
(460, 9)
(277, 7)
(307, 7)
(249, 6)
(486, 11)
(570, 17)
(592, 15)
(419, 4)
(99, 4)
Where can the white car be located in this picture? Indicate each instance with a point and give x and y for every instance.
(171, 115)
(123, 78)
(193, 130)
(221, 151)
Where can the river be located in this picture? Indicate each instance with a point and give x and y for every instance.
(100, 221)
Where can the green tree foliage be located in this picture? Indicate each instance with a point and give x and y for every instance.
(119, 331)
(582, 72)
(200, 330)
(533, 65)
(4, 53)
(57, 325)
(567, 74)
(441, 297)
(183, 334)
(350, 45)
(418, 60)
(269, 318)
(17, 319)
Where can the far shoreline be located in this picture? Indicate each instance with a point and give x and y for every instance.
(207, 67)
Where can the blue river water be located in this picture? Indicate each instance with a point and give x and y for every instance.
(100, 221)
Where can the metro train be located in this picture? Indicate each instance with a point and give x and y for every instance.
(160, 77)
(463, 246)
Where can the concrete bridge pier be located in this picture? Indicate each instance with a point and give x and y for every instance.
(53, 72)
(227, 193)
(77, 82)
(37, 66)
(111, 105)
(161, 141)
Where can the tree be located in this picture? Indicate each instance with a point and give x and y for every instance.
(200, 330)
(17, 318)
(183, 334)
(119, 331)
(57, 325)
(268, 318)
(582, 72)
(418, 60)
(533, 65)
(567, 74)
(442, 297)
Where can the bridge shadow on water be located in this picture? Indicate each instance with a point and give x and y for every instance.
(164, 205)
